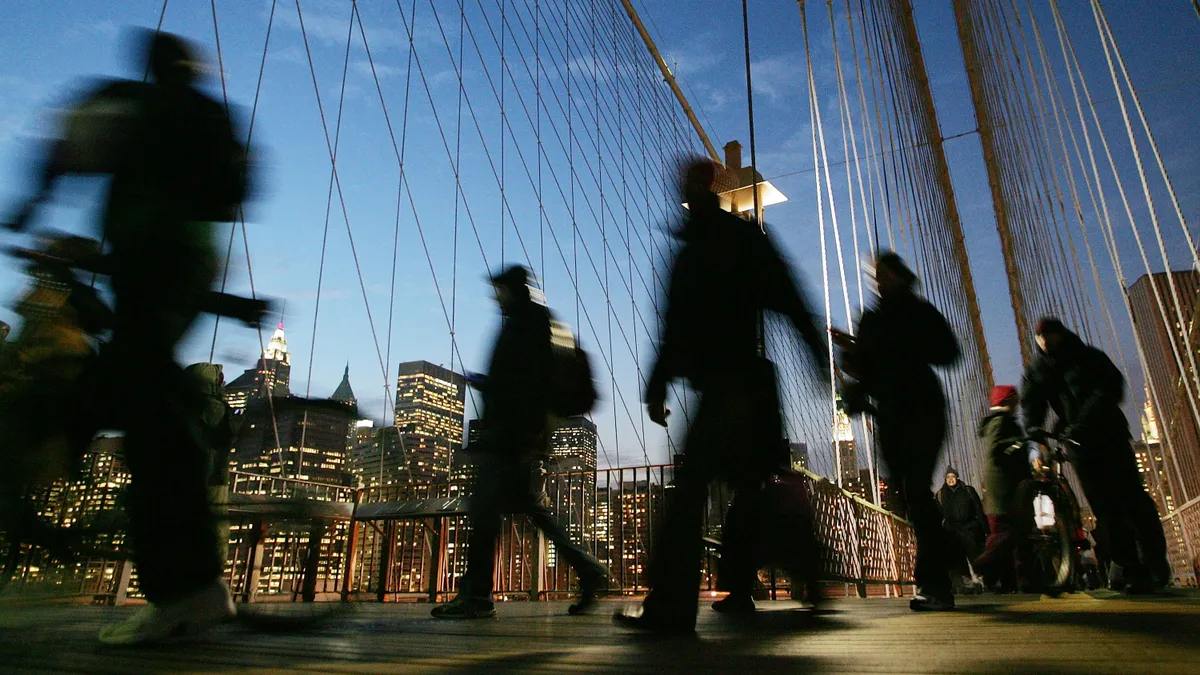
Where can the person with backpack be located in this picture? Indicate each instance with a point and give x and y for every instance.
(176, 167)
(532, 381)
(726, 273)
(1002, 562)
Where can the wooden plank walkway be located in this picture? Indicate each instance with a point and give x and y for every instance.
(1099, 633)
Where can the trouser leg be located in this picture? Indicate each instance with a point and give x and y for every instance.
(485, 514)
(737, 570)
(674, 570)
(911, 451)
(174, 531)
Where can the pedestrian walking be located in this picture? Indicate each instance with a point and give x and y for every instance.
(1006, 466)
(530, 384)
(725, 274)
(890, 359)
(176, 168)
(965, 524)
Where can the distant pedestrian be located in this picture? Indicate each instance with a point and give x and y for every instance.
(964, 521)
(522, 398)
(890, 357)
(1006, 466)
(725, 274)
(1085, 390)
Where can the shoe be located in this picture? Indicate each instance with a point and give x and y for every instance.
(734, 604)
(464, 608)
(932, 602)
(209, 605)
(656, 622)
(589, 584)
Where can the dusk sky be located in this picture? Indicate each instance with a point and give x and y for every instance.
(47, 48)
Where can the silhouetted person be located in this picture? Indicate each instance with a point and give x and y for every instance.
(964, 521)
(1084, 389)
(1006, 466)
(897, 342)
(518, 417)
(726, 272)
(176, 167)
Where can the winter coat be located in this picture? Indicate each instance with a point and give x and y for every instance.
(725, 273)
(516, 391)
(1083, 388)
(961, 509)
(1006, 462)
(218, 424)
(897, 342)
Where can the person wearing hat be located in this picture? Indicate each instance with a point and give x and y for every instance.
(964, 521)
(1085, 390)
(509, 460)
(1006, 465)
(891, 359)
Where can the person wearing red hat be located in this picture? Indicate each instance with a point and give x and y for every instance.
(1007, 464)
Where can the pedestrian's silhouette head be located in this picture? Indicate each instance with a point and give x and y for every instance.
(696, 178)
(513, 287)
(892, 276)
(167, 58)
(1051, 333)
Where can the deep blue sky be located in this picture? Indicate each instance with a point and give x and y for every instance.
(47, 47)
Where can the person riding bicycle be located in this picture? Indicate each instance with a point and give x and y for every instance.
(1085, 389)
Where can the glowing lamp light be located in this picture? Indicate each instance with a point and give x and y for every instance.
(741, 200)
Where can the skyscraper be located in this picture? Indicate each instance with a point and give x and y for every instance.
(429, 401)
(344, 392)
(313, 439)
(1161, 341)
(799, 454)
(573, 445)
(272, 373)
(844, 451)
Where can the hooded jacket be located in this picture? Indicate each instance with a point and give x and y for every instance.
(1084, 389)
(1006, 463)
(961, 508)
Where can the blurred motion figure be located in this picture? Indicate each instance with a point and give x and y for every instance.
(176, 168)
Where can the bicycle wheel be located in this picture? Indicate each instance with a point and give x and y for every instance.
(1052, 548)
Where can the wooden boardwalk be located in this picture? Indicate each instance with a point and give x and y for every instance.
(990, 634)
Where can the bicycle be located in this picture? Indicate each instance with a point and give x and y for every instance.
(1056, 538)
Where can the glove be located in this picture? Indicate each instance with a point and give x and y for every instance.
(657, 411)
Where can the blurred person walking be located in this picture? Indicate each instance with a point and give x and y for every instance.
(176, 168)
(725, 274)
(890, 359)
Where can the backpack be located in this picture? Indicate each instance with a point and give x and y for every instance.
(572, 389)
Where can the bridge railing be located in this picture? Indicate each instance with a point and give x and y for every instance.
(615, 514)
(1182, 530)
(290, 539)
